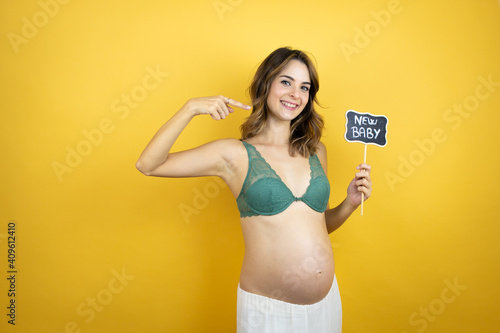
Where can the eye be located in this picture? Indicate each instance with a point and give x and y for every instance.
(285, 82)
(305, 88)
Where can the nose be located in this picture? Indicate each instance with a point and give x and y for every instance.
(295, 92)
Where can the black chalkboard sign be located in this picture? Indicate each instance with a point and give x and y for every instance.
(366, 128)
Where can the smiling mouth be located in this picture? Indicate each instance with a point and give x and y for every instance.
(290, 106)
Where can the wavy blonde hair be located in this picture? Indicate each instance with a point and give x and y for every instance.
(306, 128)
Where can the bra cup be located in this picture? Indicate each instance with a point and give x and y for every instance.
(268, 196)
(317, 195)
(318, 192)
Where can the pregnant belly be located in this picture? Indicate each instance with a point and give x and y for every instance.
(295, 266)
(308, 279)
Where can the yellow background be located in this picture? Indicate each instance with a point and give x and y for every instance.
(432, 221)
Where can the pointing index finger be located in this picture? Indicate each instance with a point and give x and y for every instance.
(240, 105)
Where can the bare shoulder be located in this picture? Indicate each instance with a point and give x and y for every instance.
(230, 143)
(223, 146)
(231, 150)
(321, 152)
(230, 146)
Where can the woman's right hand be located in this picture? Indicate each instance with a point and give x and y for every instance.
(218, 107)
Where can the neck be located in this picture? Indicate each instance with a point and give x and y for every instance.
(276, 132)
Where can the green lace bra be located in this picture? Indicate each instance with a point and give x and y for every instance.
(264, 193)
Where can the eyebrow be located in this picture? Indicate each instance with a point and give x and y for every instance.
(291, 78)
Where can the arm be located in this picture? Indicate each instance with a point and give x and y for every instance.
(361, 183)
(206, 160)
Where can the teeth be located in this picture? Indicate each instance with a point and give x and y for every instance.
(288, 104)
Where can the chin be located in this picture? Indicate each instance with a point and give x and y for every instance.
(287, 116)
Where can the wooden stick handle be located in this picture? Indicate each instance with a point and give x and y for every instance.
(362, 194)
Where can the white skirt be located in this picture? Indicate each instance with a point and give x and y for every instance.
(260, 314)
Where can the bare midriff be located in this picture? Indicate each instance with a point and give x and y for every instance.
(288, 256)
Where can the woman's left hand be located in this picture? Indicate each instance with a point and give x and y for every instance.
(362, 183)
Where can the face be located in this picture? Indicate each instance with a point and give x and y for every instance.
(289, 91)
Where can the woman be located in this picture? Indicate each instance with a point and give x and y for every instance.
(277, 173)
